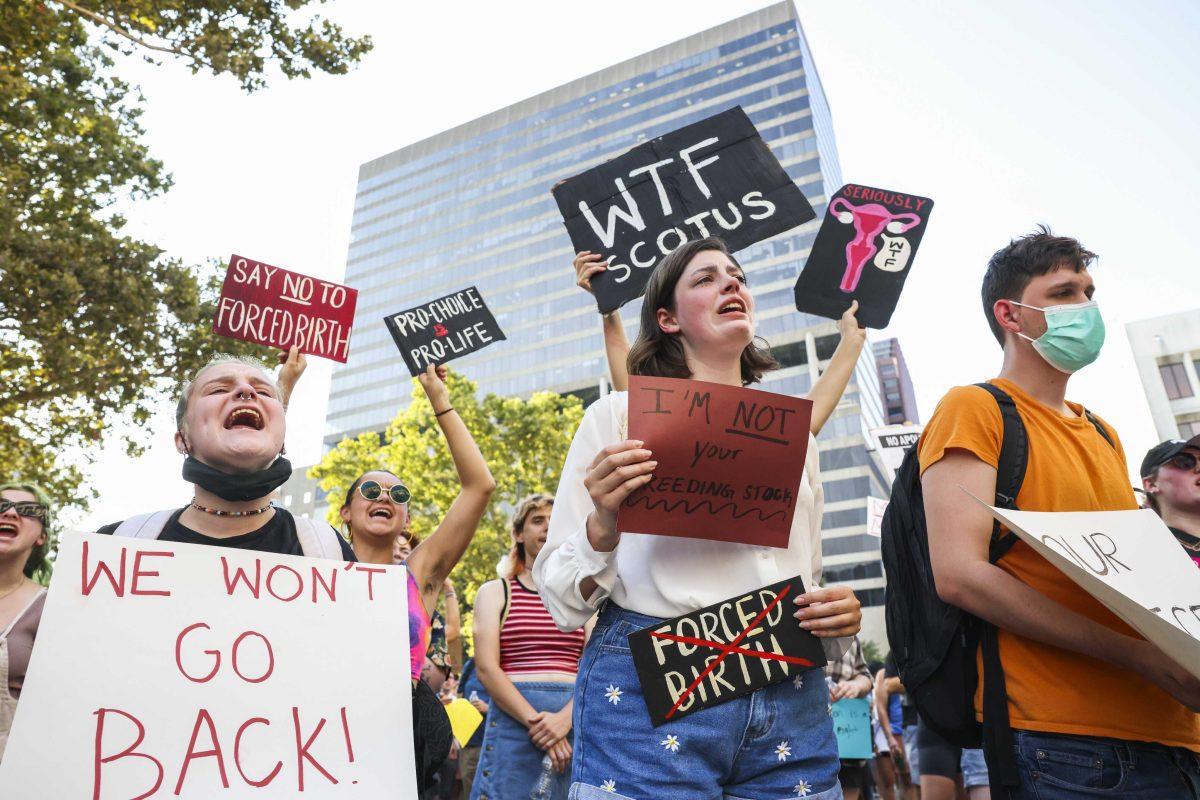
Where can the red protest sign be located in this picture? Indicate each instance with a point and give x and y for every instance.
(272, 306)
(730, 461)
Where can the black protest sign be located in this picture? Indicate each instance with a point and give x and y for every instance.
(716, 177)
(723, 651)
(864, 251)
(443, 329)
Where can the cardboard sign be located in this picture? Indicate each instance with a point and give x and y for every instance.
(852, 725)
(716, 177)
(166, 669)
(464, 720)
(443, 330)
(864, 251)
(268, 305)
(723, 651)
(1130, 562)
(730, 461)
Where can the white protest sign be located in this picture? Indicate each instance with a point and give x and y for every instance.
(175, 670)
(893, 442)
(875, 510)
(1130, 562)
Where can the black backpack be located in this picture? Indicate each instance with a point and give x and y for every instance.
(934, 643)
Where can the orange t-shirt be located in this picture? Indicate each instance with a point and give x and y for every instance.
(1070, 468)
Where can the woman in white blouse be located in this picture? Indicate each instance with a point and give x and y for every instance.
(698, 322)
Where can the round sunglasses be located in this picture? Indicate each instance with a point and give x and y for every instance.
(371, 490)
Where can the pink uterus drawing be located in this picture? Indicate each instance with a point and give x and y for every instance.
(870, 220)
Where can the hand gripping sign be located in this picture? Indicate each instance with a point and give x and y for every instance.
(863, 252)
(176, 670)
(723, 651)
(1130, 562)
(272, 306)
(715, 177)
(730, 461)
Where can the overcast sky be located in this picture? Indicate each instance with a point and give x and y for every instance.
(1080, 114)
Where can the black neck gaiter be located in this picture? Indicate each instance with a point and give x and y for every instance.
(240, 487)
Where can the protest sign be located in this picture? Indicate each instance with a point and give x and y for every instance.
(864, 252)
(715, 177)
(272, 306)
(443, 329)
(893, 441)
(730, 461)
(1130, 562)
(852, 725)
(876, 508)
(166, 669)
(723, 651)
(464, 720)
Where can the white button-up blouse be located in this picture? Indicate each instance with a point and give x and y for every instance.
(662, 576)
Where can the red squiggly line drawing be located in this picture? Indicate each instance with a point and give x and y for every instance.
(869, 221)
(667, 507)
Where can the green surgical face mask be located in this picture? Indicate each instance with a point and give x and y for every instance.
(1073, 338)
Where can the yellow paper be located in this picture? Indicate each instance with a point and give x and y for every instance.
(464, 719)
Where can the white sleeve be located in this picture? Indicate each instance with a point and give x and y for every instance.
(568, 556)
(835, 649)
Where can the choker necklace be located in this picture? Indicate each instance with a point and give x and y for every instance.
(216, 512)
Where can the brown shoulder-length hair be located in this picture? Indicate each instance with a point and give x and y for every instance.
(660, 354)
(515, 562)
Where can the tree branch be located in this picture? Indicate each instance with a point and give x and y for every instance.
(113, 26)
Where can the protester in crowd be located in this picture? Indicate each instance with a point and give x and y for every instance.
(468, 755)
(375, 512)
(25, 534)
(1086, 697)
(528, 667)
(1171, 478)
(886, 710)
(893, 712)
(946, 768)
(825, 394)
(697, 321)
(849, 679)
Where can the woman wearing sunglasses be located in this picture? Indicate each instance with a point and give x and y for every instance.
(1171, 479)
(24, 540)
(376, 514)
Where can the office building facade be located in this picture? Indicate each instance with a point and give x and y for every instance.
(472, 207)
(895, 384)
(1166, 351)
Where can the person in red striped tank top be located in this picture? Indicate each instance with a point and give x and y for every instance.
(527, 666)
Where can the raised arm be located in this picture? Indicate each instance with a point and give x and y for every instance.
(959, 534)
(433, 559)
(292, 365)
(616, 343)
(454, 652)
(827, 392)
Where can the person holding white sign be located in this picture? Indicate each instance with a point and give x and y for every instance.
(1093, 709)
(1171, 478)
(24, 539)
(697, 322)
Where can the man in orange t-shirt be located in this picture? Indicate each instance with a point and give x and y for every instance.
(1095, 709)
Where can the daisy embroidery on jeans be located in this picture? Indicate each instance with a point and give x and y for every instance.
(798, 681)
(609, 786)
(613, 694)
(802, 789)
(783, 750)
(671, 743)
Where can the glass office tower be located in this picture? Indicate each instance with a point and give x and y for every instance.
(472, 206)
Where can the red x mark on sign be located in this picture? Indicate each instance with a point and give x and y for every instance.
(729, 649)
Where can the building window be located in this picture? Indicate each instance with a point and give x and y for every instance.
(307, 498)
(287, 501)
(1175, 381)
(1189, 429)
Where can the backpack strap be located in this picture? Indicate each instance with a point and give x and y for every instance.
(145, 526)
(1100, 429)
(317, 539)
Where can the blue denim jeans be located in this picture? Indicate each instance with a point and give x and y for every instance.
(773, 744)
(1056, 767)
(510, 763)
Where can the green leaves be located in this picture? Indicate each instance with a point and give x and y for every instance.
(95, 325)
